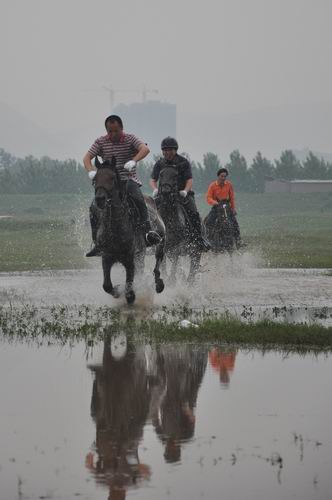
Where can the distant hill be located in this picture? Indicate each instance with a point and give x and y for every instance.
(21, 137)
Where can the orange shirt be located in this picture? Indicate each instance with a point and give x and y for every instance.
(216, 193)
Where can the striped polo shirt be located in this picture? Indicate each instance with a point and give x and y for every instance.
(124, 150)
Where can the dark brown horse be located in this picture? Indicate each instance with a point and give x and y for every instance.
(180, 240)
(118, 236)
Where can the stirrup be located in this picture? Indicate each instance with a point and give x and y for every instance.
(152, 238)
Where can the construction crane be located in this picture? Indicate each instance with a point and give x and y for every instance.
(112, 91)
(145, 91)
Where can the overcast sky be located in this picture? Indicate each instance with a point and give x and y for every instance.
(214, 56)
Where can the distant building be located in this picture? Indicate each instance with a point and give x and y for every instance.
(298, 186)
(151, 121)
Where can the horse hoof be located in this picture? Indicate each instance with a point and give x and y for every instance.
(108, 289)
(116, 292)
(159, 285)
(130, 297)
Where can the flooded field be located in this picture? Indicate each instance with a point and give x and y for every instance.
(92, 409)
(242, 289)
(133, 420)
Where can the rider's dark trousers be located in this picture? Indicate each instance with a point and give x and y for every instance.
(212, 218)
(134, 191)
(93, 212)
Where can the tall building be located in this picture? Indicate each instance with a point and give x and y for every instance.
(151, 121)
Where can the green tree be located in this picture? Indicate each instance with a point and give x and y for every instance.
(238, 172)
(260, 168)
(314, 167)
(288, 166)
(211, 164)
(6, 159)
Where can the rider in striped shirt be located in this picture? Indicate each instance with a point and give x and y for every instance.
(128, 150)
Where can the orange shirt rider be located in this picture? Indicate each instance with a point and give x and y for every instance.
(221, 189)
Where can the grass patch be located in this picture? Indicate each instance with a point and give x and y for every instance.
(73, 324)
(288, 229)
(233, 331)
(52, 231)
(45, 232)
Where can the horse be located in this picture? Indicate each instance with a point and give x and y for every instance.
(118, 236)
(218, 227)
(180, 239)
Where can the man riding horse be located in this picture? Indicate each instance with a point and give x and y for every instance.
(171, 158)
(127, 150)
(218, 191)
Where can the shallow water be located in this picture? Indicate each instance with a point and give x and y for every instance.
(234, 285)
(155, 422)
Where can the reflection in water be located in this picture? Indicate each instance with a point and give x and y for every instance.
(268, 436)
(131, 387)
(223, 362)
(181, 368)
(119, 406)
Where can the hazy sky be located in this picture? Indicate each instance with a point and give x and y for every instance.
(213, 56)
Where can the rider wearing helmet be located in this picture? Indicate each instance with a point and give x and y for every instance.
(222, 189)
(128, 150)
(169, 147)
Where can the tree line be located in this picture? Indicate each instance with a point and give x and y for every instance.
(31, 175)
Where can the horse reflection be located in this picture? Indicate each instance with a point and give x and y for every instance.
(223, 362)
(119, 406)
(181, 370)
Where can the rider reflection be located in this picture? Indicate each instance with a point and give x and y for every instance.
(119, 406)
(223, 362)
(182, 369)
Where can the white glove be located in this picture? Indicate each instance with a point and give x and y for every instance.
(130, 165)
(155, 193)
(183, 193)
(92, 174)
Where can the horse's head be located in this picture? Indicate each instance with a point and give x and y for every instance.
(106, 181)
(168, 182)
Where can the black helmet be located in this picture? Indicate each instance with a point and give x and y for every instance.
(169, 143)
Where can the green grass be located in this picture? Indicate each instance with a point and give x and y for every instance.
(291, 240)
(288, 230)
(52, 231)
(45, 232)
(70, 325)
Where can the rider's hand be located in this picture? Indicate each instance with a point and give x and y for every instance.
(155, 193)
(183, 193)
(130, 165)
(92, 174)
(234, 211)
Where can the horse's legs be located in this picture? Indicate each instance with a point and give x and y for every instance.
(107, 284)
(130, 273)
(160, 253)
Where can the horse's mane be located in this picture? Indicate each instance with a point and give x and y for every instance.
(108, 164)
